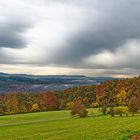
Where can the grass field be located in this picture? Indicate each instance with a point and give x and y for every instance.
(59, 125)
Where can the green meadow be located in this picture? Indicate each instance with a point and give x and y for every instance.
(59, 125)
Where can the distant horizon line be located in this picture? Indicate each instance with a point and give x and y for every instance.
(78, 75)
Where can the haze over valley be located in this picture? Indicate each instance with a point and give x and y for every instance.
(21, 83)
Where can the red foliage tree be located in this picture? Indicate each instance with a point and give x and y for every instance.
(51, 101)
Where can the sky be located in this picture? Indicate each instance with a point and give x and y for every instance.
(72, 37)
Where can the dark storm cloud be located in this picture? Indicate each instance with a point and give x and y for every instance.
(12, 41)
(117, 23)
(11, 34)
(14, 22)
(98, 34)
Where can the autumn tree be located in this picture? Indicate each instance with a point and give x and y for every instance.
(78, 109)
(70, 105)
(122, 98)
(26, 102)
(42, 101)
(35, 107)
(51, 101)
(10, 104)
(133, 104)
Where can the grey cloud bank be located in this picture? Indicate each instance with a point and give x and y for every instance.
(88, 34)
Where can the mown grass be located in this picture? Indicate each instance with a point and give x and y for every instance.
(59, 125)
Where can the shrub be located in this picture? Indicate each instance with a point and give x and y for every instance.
(78, 109)
(104, 109)
(119, 110)
(125, 110)
(112, 111)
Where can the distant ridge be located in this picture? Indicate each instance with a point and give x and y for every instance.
(40, 83)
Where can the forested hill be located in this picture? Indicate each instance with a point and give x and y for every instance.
(36, 84)
(109, 93)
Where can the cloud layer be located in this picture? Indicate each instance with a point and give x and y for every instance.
(98, 36)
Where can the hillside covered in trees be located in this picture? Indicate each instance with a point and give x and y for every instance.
(111, 93)
(41, 83)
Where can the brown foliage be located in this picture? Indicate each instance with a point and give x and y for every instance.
(133, 104)
(78, 109)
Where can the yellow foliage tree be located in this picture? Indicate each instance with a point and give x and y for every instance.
(122, 97)
(35, 107)
(95, 104)
(70, 105)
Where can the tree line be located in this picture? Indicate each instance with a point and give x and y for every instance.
(120, 96)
